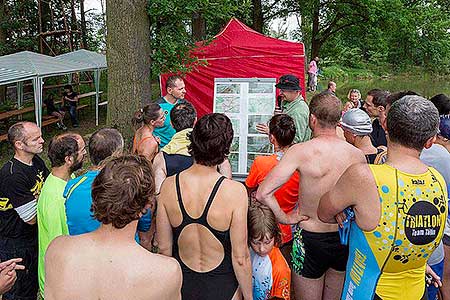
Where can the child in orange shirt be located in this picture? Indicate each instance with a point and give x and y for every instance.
(271, 275)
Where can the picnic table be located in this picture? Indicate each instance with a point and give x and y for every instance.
(46, 119)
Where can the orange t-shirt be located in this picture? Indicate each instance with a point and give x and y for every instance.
(281, 275)
(286, 195)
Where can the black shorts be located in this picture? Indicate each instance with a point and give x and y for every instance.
(314, 253)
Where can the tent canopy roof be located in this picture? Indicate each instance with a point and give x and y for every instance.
(95, 60)
(239, 40)
(238, 52)
(26, 65)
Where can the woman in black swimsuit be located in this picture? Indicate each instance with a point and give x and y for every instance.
(202, 219)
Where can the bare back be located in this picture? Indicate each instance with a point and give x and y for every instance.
(321, 163)
(93, 267)
(199, 249)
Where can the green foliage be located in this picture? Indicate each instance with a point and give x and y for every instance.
(398, 34)
(171, 32)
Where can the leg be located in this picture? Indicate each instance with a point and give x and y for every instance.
(446, 277)
(307, 289)
(334, 282)
(73, 115)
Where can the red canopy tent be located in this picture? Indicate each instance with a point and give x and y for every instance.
(239, 52)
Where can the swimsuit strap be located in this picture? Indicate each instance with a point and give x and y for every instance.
(211, 198)
(208, 203)
(180, 201)
(142, 140)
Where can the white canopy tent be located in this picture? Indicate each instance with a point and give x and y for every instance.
(96, 60)
(26, 65)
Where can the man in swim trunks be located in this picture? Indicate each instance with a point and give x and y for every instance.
(318, 257)
(400, 209)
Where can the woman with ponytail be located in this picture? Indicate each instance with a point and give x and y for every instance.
(146, 120)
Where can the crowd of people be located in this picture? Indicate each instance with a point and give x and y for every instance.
(352, 204)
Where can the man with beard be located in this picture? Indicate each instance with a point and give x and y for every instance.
(66, 153)
(21, 180)
(294, 106)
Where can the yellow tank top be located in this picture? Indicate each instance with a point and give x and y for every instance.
(413, 214)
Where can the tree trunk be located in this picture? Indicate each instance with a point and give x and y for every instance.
(258, 20)
(74, 25)
(83, 26)
(128, 56)
(198, 27)
(3, 35)
(316, 44)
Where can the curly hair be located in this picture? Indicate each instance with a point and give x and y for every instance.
(262, 223)
(122, 189)
(211, 139)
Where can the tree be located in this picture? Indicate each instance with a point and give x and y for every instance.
(128, 56)
(257, 16)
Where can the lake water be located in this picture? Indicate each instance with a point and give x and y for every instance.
(426, 85)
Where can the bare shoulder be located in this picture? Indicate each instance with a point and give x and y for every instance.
(167, 187)
(234, 188)
(165, 267)
(61, 244)
(359, 174)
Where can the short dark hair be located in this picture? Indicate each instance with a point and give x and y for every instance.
(399, 95)
(60, 147)
(122, 189)
(412, 121)
(261, 223)
(327, 108)
(379, 97)
(17, 132)
(282, 127)
(170, 82)
(183, 116)
(442, 103)
(103, 143)
(68, 87)
(148, 113)
(211, 139)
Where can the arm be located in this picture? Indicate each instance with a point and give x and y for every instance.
(239, 248)
(159, 169)
(357, 180)
(276, 178)
(164, 235)
(148, 148)
(301, 126)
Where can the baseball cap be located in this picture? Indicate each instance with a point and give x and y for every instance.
(289, 82)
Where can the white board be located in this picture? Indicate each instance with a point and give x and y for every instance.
(247, 102)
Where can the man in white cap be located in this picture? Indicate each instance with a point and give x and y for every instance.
(357, 128)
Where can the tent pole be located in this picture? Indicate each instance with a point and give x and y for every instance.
(97, 74)
(37, 86)
(19, 90)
